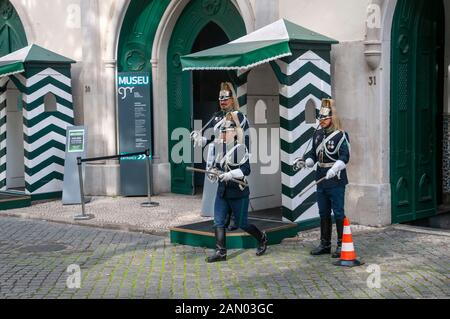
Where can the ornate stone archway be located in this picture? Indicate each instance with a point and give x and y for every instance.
(162, 24)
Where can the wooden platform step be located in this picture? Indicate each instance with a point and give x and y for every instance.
(13, 201)
(202, 234)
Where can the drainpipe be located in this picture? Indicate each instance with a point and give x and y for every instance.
(372, 44)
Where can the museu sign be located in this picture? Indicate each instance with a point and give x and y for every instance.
(134, 109)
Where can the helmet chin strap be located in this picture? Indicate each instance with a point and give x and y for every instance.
(227, 108)
(329, 128)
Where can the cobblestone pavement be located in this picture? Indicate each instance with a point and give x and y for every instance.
(122, 213)
(117, 264)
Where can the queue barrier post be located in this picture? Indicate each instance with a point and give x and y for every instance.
(149, 202)
(83, 215)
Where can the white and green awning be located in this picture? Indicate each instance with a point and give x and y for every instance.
(14, 62)
(11, 67)
(264, 45)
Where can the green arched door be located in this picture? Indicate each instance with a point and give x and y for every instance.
(12, 33)
(416, 108)
(196, 15)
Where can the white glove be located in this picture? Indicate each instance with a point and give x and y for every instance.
(331, 174)
(337, 167)
(236, 174)
(198, 139)
(200, 142)
(195, 134)
(226, 177)
(309, 163)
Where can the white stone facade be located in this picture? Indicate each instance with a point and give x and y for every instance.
(88, 32)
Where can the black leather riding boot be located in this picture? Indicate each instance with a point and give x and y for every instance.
(221, 247)
(340, 232)
(230, 225)
(325, 238)
(260, 236)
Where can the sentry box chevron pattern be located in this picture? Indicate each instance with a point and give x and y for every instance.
(304, 78)
(45, 75)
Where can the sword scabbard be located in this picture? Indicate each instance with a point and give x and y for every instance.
(197, 170)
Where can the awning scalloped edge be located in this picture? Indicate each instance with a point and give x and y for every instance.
(11, 73)
(228, 68)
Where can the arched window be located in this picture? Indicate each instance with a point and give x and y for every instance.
(310, 112)
(261, 112)
(50, 102)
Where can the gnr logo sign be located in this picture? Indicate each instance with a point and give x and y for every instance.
(124, 91)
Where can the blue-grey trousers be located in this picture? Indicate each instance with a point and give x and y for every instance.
(331, 199)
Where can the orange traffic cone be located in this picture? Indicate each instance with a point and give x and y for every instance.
(348, 254)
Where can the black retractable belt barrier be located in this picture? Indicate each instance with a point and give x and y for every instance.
(80, 161)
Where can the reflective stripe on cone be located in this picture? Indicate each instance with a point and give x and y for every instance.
(348, 254)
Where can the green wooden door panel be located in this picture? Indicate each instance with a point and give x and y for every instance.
(414, 109)
(425, 130)
(194, 18)
(401, 145)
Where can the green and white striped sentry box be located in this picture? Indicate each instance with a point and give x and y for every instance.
(305, 79)
(44, 80)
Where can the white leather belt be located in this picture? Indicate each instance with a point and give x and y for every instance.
(326, 165)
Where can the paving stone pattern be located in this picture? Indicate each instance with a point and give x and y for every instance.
(117, 264)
